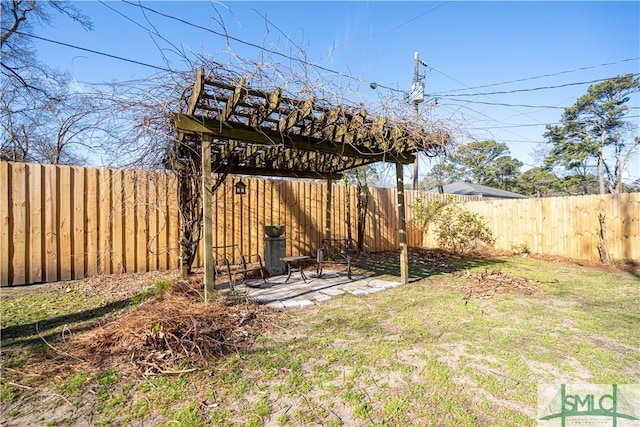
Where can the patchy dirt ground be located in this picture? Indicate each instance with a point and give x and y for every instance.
(169, 334)
(113, 287)
(173, 335)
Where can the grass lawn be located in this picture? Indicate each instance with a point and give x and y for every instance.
(464, 347)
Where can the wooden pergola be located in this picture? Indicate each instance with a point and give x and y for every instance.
(244, 131)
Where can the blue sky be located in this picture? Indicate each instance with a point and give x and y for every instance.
(465, 44)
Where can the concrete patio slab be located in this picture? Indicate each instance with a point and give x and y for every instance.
(297, 293)
(289, 303)
(321, 298)
(332, 292)
(276, 304)
(384, 284)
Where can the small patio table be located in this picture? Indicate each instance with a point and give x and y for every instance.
(293, 263)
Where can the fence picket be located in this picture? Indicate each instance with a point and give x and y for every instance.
(35, 215)
(6, 222)
(18, 223)
(92, 224)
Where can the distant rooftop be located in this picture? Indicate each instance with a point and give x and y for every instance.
(469, 189)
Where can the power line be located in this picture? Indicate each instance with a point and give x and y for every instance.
(545, 75)
(390, 30)
(516, 105)
(486, 117)
(330, 70)
(320, 67)
(236, 39)
(526, 90)
(502, 104)
(522, 141)
(414, 18)
(152, 32)
(92, 51)
(494, 99)
(527, 125)
(516, 126)
(506, 127)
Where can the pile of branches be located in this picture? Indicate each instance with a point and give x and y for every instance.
(173, 334)
(488, 283)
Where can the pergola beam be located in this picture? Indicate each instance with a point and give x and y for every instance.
(354, 128)
(265, 110)
(232, 102)
(296, 116)
(243, 170)
(203, 125)
(198, 89)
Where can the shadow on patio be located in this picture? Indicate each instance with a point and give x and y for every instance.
(298, 293)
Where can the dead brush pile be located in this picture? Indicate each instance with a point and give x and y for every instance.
(173, 333)
(488, 283)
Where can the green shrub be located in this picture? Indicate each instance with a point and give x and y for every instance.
(520, 249)
(426, 213)
(460, 230)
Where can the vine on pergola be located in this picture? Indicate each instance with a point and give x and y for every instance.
(266, 133)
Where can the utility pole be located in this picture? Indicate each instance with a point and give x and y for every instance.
(416, 96)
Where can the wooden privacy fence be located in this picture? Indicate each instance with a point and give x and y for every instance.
(563, 226)
(64, 222)
(301, 207)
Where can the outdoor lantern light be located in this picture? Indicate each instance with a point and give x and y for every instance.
(241, 187)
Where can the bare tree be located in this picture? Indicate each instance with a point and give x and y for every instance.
(30, 90)
(15, 129)
(18, 60)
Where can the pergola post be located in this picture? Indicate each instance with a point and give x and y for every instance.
(327, 224)
(402, 225)
(207, 221)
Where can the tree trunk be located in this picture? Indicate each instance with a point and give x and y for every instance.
(603, 251)
(618, 188)
(363, 201)
(603, 138)
(348, 212)
(601, 185)
(190, 209)
(185, 231)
